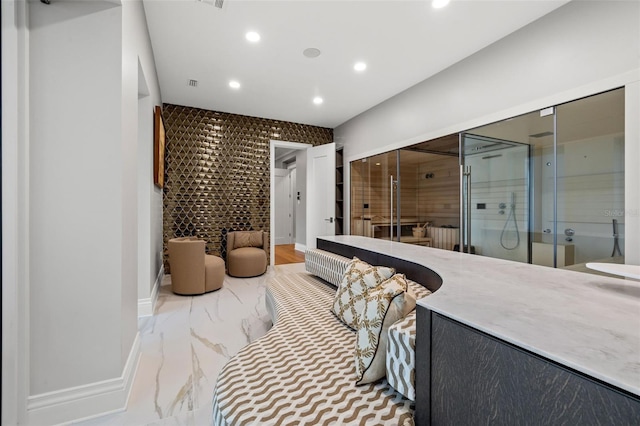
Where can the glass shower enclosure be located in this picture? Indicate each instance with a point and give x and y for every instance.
(545, 187)
(494, 202)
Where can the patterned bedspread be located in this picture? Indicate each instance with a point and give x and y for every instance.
(302, 372)
(401, 349)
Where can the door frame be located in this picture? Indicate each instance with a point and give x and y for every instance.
(273, 144)
(321, 199)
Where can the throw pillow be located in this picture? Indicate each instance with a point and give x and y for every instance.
(384, 305)
(247, 239)
(358, 279)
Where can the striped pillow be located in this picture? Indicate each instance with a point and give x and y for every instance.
(326, 265)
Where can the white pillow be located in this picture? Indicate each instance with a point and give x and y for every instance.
(384, 305)
(358, 279)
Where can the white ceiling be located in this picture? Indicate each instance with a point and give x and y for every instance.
(402, 42)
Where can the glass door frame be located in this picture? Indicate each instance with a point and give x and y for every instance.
(465, 245)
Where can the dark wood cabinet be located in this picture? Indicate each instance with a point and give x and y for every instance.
(466, 377)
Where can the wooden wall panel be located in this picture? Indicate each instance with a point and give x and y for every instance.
(434, 199)
(439, 196)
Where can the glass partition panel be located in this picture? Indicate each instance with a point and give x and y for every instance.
(590, 180)
(429, 182)
(545, 187)
(496, 197)
(357, 180)
(380, 198)
(373, 180)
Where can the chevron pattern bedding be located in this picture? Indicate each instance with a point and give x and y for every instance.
(302, 371)
(328, 266)
(401, 349)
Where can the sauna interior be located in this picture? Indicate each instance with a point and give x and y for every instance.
(429, 201)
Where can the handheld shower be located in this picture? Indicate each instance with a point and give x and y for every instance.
(511, 216)
(616, 247)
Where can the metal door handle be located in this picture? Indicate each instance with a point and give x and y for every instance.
(330, 220)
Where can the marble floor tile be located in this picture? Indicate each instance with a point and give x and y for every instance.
(185, 344)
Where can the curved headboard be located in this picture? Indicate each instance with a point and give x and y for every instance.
(418, 273)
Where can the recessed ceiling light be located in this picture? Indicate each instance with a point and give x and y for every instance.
(252, 36)
(438, 4)
(318, 100)
(311, 52)
(234, 84)
(360, 66)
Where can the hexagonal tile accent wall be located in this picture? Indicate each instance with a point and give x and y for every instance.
(217, 172)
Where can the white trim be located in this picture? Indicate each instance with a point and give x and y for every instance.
(147, 306)
(632, 174)
(10, 212)
(560, 98)
(301, 247)
(86, 401)
(273, 144)
(15, 211)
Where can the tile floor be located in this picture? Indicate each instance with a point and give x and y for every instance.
(185, 345)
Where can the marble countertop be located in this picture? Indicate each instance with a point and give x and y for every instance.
(629, 271)
(589, 323)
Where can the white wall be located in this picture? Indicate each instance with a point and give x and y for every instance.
(580, 49)
(138, 59)
(70, 174)
(76, 197)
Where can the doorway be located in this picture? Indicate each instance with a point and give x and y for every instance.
(314, 195)
(286, 208)
(288, 172)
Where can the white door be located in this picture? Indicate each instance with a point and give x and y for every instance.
(282, 209)
(321, 192)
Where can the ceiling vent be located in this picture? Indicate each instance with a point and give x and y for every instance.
(193, 83)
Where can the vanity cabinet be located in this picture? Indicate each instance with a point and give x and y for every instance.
(466, 377)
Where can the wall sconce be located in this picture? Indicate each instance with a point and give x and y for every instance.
(429, 176)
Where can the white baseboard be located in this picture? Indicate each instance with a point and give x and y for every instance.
(147, 306)
(86, 401)
(301, 247)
